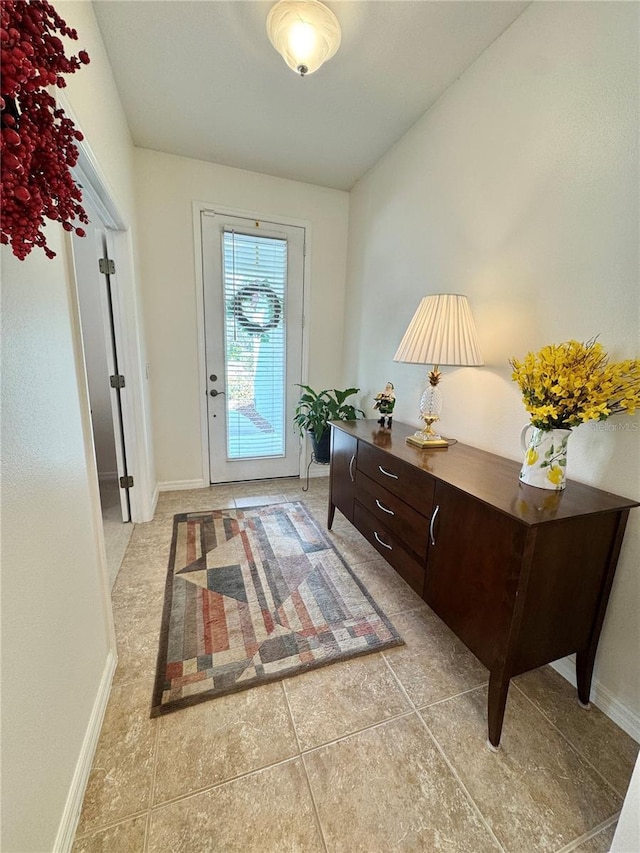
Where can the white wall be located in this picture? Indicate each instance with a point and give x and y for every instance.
(518, 188)
(56, 624)
(166, 188)
(55, 631)
(96, 103)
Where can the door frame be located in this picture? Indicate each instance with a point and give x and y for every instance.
(95, 296)
(127, 312)
(198, 207)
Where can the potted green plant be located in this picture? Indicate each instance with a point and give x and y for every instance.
(315, 409)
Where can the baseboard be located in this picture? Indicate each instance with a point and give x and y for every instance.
(178, 485)
(71, 813)
(318, 471)
(154, 500)
(628, 720)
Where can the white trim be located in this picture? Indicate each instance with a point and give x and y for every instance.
(179, 485)
(318, 471)
(90, 176)
(130, 363)
(604, 699)
(71, 814)
(136, 405)
(197, 208)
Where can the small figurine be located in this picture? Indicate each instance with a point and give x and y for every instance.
(385, 402)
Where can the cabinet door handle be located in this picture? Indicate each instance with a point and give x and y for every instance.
(351, 461)
(384, 508)
(384, 544)
(433, 520)
(387, 473)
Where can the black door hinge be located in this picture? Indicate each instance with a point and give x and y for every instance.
(106, 266)
(117, 381)
(126, 482)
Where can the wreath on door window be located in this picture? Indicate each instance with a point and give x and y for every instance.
(248, 294)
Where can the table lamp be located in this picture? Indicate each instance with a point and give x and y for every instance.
(441, 333)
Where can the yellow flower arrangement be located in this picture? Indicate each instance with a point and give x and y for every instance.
(565, 385)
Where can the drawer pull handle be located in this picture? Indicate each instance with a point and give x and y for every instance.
(351, 461)
(384, 544)
(433, 520)
(387, 473)
(384, 508)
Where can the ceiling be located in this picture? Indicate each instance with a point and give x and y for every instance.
(199, 78)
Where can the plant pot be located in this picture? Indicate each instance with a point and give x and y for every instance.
(545, 457)
(322, 448)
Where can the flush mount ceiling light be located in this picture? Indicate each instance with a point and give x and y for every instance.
(304, 32)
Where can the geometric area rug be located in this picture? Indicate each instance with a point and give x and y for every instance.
(256, 595)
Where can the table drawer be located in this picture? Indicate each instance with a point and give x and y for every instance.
(402, 521)
(403, 561)
(413, 486)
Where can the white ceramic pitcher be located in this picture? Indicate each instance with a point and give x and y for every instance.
(545, 457)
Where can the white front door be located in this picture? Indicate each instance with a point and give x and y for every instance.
(253, 304)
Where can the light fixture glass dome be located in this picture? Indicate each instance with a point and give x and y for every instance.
(305, 32)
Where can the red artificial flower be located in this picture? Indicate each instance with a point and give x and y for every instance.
(37, 140)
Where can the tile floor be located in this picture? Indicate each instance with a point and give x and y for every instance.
(384, 752)
(116, 533)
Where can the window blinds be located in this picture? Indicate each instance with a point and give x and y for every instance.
(255, 281)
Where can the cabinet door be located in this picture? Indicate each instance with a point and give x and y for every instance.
(344, 449)
(473, 570)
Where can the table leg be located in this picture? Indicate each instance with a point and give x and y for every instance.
(498, 690)
(584, 672)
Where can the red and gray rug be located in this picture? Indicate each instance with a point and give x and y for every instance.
(256, 595)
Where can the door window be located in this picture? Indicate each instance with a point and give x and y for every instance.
(253, 274)
(255, 281)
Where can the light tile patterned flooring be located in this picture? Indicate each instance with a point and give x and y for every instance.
(116, 532)
(387, 751)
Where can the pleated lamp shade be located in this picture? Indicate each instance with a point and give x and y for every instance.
(442, 332)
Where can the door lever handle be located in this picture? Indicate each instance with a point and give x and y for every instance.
(215, 393)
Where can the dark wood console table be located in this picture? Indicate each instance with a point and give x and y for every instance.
(521, 575)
